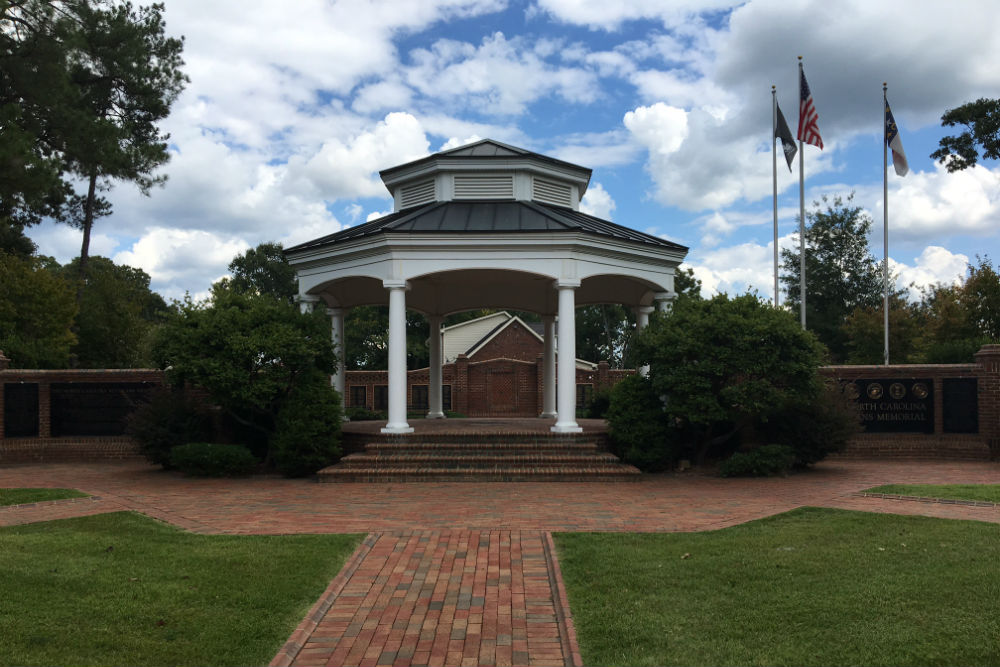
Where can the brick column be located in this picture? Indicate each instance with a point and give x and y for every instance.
(988, 370)
(539, 383)
(603, 379)
(460, 387)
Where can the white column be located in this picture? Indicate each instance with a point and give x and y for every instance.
(306, 302)
(566, 388)
(664, 301)
(549, 368)
(641, 322)
(435, 407)
(337, 338)
(397, 357)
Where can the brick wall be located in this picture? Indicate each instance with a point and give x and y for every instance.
(939, 444)
(42, 446)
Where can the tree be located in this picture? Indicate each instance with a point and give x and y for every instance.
(36, 313)
(603, 332)
(982, 122)
(865, 333)
(264, 270)
(249, 352)
(841, 273)
(117, 313)
(686, 284)
(108, 74)
(724, 364)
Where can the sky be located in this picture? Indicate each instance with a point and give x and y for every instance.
(293, 108)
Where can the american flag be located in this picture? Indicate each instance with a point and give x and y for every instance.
(808, 130)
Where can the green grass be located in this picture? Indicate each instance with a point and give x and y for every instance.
(124, 589)
(22, 496)
(982, 492)
(809, 587)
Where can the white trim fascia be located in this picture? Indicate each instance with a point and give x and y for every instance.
(475, 320)
(445, 164)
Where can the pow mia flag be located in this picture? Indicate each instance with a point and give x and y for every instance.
(782, 132)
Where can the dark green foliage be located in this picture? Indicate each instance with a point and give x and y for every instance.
(264, 270)
(90, 81)
(307, 431)
(841, 273)
(171, 418)
(37, 308)
(816, 427)
(686, 284)
(599, 403)
(117, 313)
(366, 339)
(982, 122)
(763, 461)
(724, 364)
(208, 459)
(248, 352)
(364, 415)
(603, 332)
(865, 333)
(638, 427)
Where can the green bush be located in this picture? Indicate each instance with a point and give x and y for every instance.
(208, 459)
(638, 426)
(764, 461)
(307, 430)
(169, 419)
(815, 428)
(364, 415)
(597, 408)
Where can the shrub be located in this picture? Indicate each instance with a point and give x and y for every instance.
(307, 430)
(815, 428)
(208, 459)
(169, 419)
(597, 408)
(764, 461)
(638, 426)
(364, 415)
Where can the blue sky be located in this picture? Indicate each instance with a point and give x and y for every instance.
(291, 113)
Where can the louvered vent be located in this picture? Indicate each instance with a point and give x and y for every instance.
(550, 192)
(416, 193)
(484, 187)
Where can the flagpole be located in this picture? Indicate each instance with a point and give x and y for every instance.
(774, 174)
(885, 215)
(802, 220)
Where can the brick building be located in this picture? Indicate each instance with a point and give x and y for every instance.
(493, 367)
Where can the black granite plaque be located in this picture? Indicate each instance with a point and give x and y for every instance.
(960, 405)
(20, 410)
(895, 406)
(95, 408)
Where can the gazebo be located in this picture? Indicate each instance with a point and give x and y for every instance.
(486, 225)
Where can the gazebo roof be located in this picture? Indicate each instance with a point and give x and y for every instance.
(489, 217)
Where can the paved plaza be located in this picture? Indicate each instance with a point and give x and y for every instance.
(465, 573)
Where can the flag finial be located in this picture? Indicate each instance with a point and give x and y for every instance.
(800, 57)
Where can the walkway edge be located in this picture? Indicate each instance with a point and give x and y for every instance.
(287, 654)
(567, 633)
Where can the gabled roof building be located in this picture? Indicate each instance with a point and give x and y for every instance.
(485, 225)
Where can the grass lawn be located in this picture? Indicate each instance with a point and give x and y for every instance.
(22, 496)
(124, 589)
(808, 587)
(982, 492)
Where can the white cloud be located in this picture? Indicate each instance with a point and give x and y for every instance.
(176, 259)
(604, 15)
(349, 168)
(63, 242)
(596, 201)
(500, 76)
(933, 266)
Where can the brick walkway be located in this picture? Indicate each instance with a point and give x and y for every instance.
(454, 573)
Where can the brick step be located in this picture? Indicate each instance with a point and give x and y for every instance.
(610, 473)
(493, 447)
(511, 437)
(478, 459)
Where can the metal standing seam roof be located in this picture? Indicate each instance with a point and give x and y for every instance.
(488, 217)
(487, 148)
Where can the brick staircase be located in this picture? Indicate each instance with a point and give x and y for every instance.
(481, 457)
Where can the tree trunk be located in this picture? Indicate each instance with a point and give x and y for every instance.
(88, 224)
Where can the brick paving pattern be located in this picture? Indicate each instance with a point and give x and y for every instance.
(464, 573)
